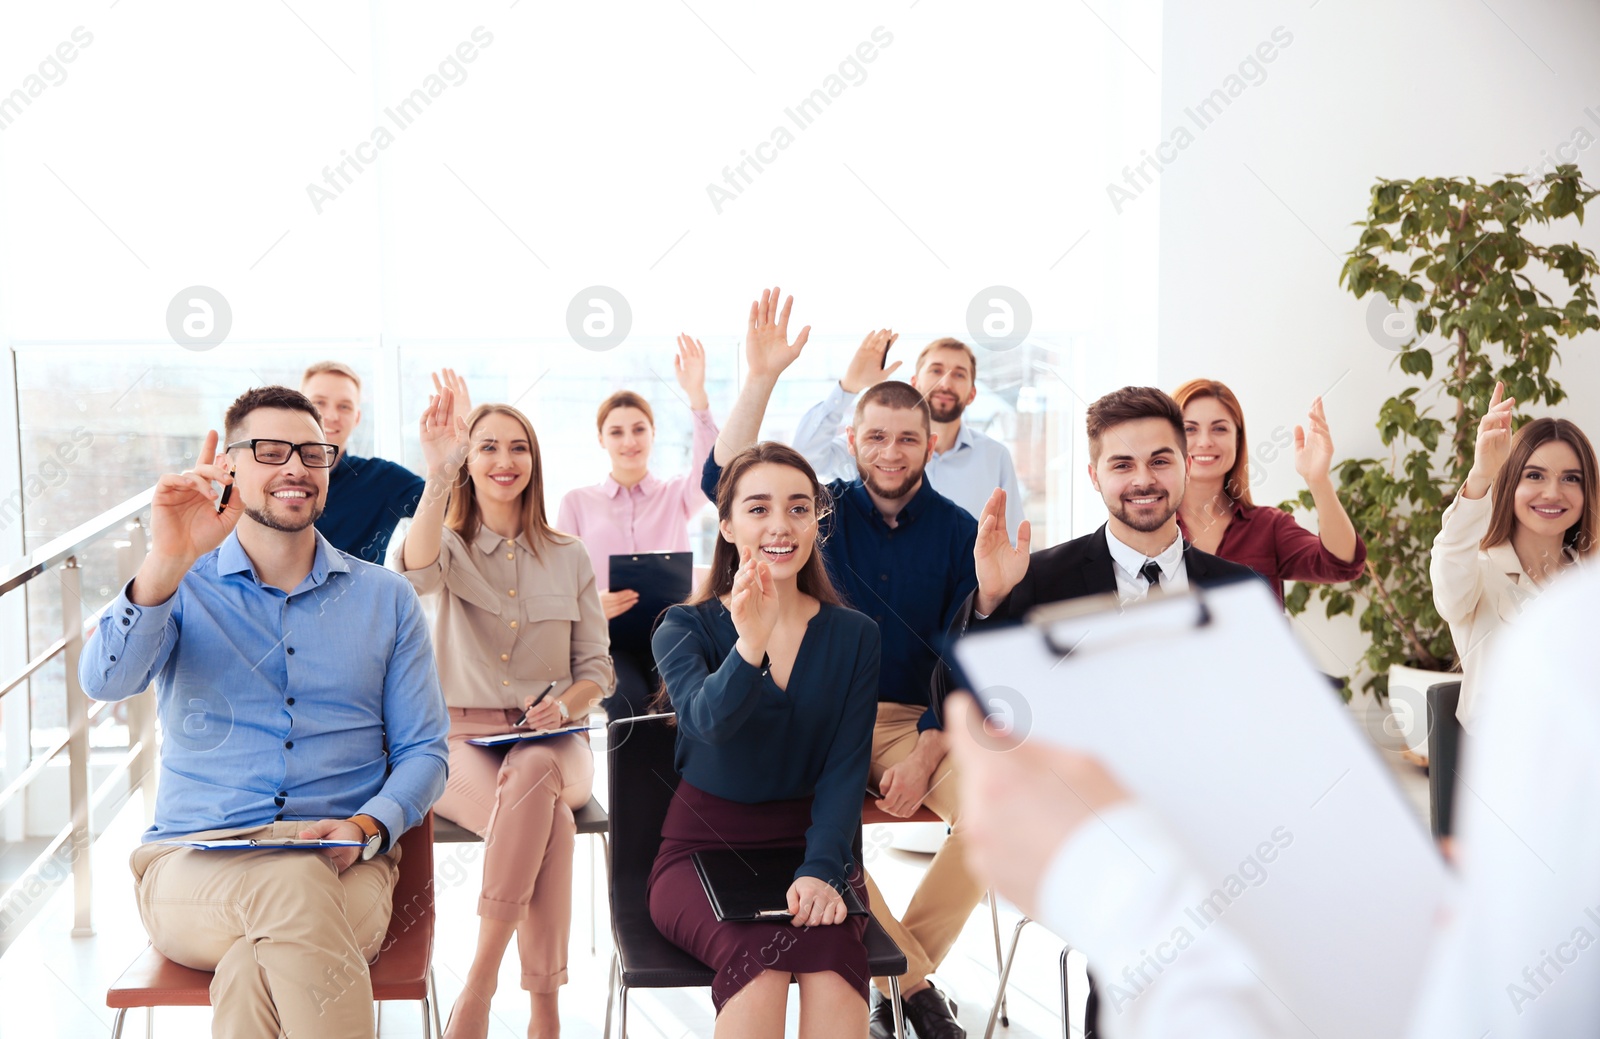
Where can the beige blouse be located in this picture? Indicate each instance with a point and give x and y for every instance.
(510, 622)
(1477, 591)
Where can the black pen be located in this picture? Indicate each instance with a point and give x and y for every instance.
(227, 492)
(537, 700)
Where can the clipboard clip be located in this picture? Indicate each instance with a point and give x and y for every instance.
(1059, 622)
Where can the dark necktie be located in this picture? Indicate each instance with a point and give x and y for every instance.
(1151, 572)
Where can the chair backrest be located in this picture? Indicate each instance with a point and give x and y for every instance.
(1444, 755)
(643, 778)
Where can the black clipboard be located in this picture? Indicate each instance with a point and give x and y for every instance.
(662, 579)
(750, 886)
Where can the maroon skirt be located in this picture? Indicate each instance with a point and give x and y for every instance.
(739, 952)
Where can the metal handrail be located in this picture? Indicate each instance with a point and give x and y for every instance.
(53, 553)
(138, 761)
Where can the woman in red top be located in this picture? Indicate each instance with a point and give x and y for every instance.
(1217, 515)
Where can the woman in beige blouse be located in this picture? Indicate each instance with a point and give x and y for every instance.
(517, 612)
(1527, 511)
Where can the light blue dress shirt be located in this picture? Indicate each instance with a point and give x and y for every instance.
(322, 703)
(966, 474)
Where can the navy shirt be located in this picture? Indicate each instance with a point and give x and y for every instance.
(911, 578)
(743, 739)
(366, 498)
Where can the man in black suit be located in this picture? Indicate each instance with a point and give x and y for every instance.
(1137, 462)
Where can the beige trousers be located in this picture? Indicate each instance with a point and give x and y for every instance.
(948, 892)
(287, 936)
(520, 800)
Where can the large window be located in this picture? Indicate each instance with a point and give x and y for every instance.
(409, 185)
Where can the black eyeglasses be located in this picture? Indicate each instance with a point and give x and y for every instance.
(277, 452)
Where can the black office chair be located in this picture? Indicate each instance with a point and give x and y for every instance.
(1444, 755)
(643, 779)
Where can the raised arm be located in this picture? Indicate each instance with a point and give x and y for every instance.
(817, 435)
(444, 447)
(1453, 566)
(137, 631)
(690, 367)
(1313, 458)
(768, 351)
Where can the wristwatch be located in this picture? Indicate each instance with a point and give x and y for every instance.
(566, 715)
(374, 835)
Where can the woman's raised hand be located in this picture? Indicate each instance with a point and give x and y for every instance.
(443, 433)
(1494, 443)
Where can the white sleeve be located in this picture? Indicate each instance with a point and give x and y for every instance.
(1159, 974)
(817, 437)
(1518, 956)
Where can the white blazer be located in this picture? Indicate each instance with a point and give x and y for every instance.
(1475, 590)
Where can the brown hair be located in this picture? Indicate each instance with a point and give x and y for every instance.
(949, 343)
(623, 399)
(334, 368)
(1581, 536)
(1236, 484)
(264, 397)
(462, 514)
(813, 576)
(901, 396)
(1128, 405)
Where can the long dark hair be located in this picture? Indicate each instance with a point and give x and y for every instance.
(813, 576)
(1580, 537)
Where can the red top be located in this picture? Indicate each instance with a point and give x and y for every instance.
(1270, 542)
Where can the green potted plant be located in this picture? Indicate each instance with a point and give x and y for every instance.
(1454, 252)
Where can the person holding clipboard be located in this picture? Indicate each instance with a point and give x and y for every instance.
(634, 511)
(297, 692)
(775, 685)
(518, 617)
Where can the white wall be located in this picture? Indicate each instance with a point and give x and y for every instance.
(1256, 213)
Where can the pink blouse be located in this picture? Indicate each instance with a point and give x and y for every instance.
(651, 516)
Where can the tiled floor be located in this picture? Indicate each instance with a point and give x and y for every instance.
(52, 984)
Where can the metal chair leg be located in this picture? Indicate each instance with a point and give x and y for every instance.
(427, 1016)
(1005, 976)
(1066, 1018)
(378, 1024)
(999, 960)
(116, 1023)
(894, 1001)
(611, 995)
(622, 1012)
(433, 993)
(593, 926)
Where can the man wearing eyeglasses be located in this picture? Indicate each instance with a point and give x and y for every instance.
(298, 698)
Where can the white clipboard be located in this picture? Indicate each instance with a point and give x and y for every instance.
(1209, 712)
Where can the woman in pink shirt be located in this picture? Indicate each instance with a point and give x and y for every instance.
(633, 510)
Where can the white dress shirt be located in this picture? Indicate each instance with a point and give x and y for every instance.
(1127, 562)
(1519, 955)
(967, 473)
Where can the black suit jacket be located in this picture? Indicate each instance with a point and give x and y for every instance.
(1081, 567)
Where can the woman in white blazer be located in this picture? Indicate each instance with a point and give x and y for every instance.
(1527, 511)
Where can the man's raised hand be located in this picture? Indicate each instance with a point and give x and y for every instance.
(1000, 565)
(867, 365)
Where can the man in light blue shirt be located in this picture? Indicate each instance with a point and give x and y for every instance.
(298, 699)
(967, 464)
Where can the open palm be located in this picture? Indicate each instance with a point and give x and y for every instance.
(767, 348)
